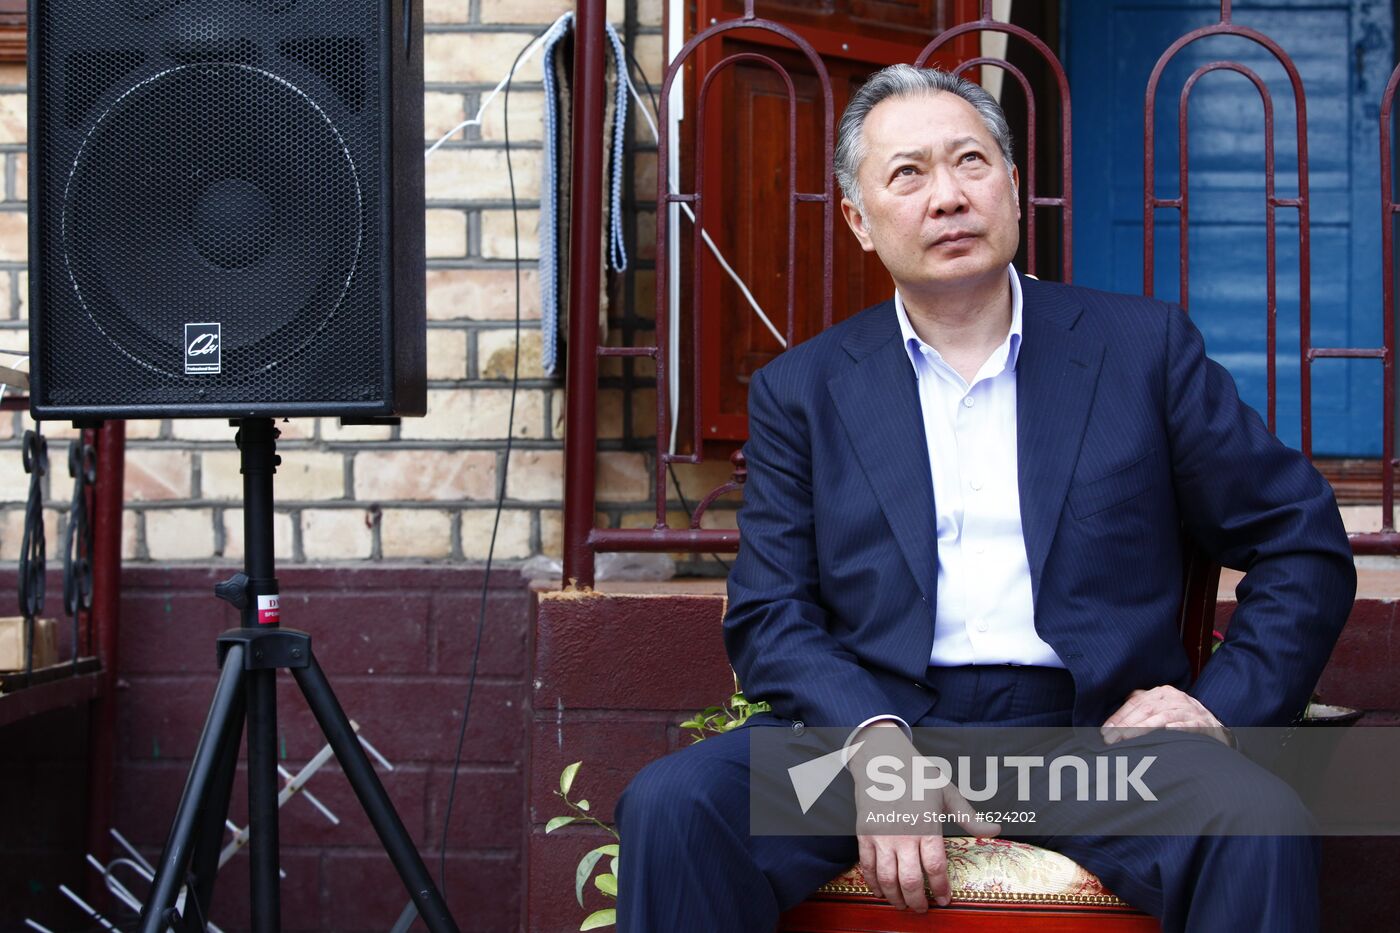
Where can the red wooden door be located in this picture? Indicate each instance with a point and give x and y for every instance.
(747, 168)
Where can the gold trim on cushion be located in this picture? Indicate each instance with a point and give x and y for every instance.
(1003, 871)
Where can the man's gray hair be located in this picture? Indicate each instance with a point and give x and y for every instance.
(908, 81)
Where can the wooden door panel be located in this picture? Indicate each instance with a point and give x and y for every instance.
(745, 187)
(908, 15)
(894, 20)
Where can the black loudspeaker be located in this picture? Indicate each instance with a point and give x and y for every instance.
(226, 208)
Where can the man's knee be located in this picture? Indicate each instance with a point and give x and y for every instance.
(681, 788)
(1258, 802)
(652, 790)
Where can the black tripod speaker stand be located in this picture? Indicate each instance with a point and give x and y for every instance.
(250, 657)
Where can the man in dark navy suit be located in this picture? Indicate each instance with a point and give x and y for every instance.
(964, 506)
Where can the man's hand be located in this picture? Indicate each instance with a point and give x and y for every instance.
(1161, 708)
(895, 866)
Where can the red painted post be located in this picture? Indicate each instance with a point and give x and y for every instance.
(106, 601)
(585, 264)
(1388, 211)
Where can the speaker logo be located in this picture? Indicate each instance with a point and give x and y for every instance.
(203, 349)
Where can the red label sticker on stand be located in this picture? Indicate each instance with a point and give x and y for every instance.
(269, 610)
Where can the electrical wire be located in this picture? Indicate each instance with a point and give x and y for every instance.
(685, 208)
(505, 468)
(525, 53)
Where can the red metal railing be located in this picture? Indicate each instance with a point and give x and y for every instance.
(1065, 202)
(1385, 541)
(1271, 201)
(98, 631)
(582, 540)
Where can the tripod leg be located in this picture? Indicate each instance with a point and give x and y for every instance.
(373, 798)
(265, 884)
(209, 833)
(170, 872)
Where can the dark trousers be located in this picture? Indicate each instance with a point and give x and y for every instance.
(689, 862)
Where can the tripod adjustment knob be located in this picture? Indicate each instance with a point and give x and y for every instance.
(234, 590)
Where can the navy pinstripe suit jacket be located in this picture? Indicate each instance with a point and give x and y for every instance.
(1125, 432)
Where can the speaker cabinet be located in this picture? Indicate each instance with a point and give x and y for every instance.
(226, 208)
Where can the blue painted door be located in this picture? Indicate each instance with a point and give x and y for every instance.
(1343, 51)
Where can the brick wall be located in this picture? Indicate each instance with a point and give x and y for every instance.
(423, 491)
(608, 687)
(396, 644)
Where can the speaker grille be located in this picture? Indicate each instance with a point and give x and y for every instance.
(213, 162)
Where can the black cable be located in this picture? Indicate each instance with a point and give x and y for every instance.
(636, 66)
(505, 468)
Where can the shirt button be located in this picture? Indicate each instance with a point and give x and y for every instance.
(980, 549)
(968, 401)
(976, 485)
(980, 625)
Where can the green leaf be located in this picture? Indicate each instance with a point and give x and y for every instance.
(612, 850)
(737, 700)
(566, 778)
(585, 868)
(559, 821)
(582, 805)
(612, 864)
(730, 725)
(599, 918)
(607, 884)
(691, 724)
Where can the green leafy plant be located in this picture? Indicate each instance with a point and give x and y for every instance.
(606, 881)
(710, 721)
(714, 720)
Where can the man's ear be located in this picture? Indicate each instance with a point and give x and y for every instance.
(856, 221)
(1016, 189)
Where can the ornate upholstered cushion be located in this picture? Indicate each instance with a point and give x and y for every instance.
(1003, 871)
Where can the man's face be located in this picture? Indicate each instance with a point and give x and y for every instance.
(941, 210)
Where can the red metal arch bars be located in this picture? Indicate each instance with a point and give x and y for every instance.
(1271, 200)
(583, 540)
(1386, 541)
(1065, 202)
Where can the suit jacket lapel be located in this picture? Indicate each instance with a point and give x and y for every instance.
(878, 402)
(1056, 372)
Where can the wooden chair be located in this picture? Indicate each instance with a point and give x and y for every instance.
(1004, 885)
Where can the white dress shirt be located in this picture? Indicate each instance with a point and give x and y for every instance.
(984, 613)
